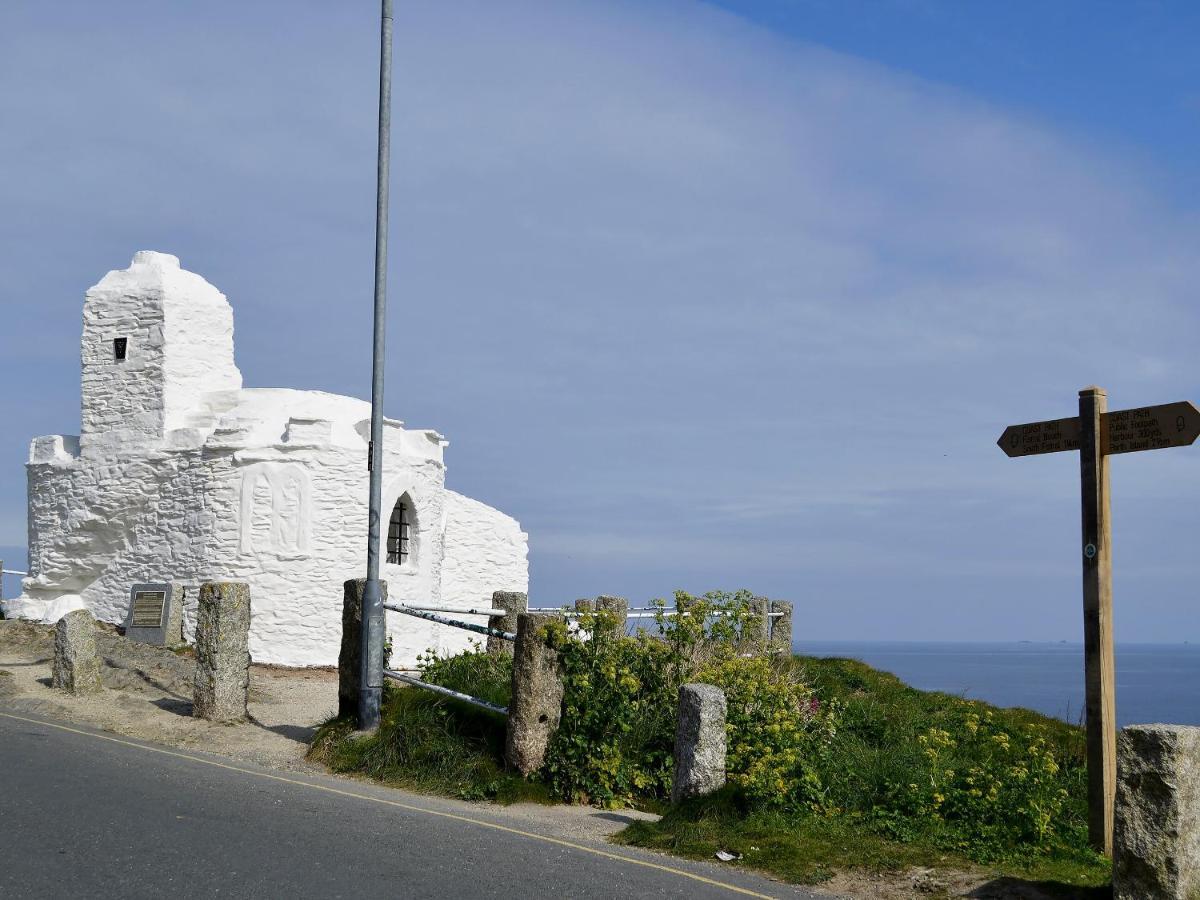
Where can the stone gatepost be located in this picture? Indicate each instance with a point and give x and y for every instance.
(222, 680)
(699, 742)
(618, 608)
(756, 631)
(76, 659)
(1156, 829)
(781, 627)
(513, 603)
(537, 694)
(350, 654)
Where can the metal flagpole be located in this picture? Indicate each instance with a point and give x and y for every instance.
(371, 673)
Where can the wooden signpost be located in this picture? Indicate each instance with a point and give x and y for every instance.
(1097, 434)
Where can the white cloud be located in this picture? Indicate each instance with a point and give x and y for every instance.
(646, 256)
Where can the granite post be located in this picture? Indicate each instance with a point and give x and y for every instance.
(757, 628)
(1156, 828)
(76, 659)
(222, 679)
(513, 603)
(350, 654)
(537, 693)
(699, 742)
(618, 609)
(781, 627)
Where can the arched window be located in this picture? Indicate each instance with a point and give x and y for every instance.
(398, 525)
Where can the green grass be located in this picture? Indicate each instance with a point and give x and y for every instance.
(428, 744)
(810, 849)
(877, 745)
(435, 745)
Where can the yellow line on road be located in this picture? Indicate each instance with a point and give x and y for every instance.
(405, 806)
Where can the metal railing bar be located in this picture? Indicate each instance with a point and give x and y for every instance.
(14, 572)
(453, 623)
(444, 691)
(462, 612)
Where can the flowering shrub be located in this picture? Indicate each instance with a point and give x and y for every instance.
(778, 732)
(988, 786)
(616, 737)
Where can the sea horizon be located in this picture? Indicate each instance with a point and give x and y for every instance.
(1156, 681)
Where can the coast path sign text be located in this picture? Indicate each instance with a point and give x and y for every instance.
(1098, 434)
(1126, 431)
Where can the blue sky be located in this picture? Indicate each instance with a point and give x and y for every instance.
(707, 295)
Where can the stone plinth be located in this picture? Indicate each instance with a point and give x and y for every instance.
(76, 659)
(222, 678)
(781, 628)
(513, 603)
(350, 654)
(537, 693)
(699, 742)
(1156, 832)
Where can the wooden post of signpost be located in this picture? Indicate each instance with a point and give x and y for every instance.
(1098, 434)
(1098, 659)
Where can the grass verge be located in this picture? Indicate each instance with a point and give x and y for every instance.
(435, 745)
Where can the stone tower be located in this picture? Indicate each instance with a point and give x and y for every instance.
(157, 356)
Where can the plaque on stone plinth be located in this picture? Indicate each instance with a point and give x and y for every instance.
(155, 614)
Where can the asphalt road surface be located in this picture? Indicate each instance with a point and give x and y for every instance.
(87, 814)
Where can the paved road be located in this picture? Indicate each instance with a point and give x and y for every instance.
(85, 814)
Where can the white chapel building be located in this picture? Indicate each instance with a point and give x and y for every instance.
(179, 474)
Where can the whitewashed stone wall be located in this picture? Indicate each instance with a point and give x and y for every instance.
(180, 476)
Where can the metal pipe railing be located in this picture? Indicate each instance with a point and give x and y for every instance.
(14, 572)
(464, 612)
(442, 620)
(445, 691)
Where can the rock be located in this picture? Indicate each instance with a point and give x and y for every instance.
(1156, 833)
(350, 656)
(537, 693)
(513, 603)
(76, 660)
(222, 678)
(699, 742)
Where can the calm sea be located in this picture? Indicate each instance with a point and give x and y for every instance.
(1155, 682)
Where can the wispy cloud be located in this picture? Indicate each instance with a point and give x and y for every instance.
(652, 266)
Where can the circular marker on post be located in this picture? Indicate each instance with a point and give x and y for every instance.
(1089, 551)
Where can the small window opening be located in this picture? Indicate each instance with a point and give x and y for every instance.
(397, 539)
(120, 346)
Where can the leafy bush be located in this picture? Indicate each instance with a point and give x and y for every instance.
(778, 732)
(616, 735)
(615, 741)
(991, 787)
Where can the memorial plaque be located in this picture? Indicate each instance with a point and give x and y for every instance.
(155, 614)
(148, 609)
